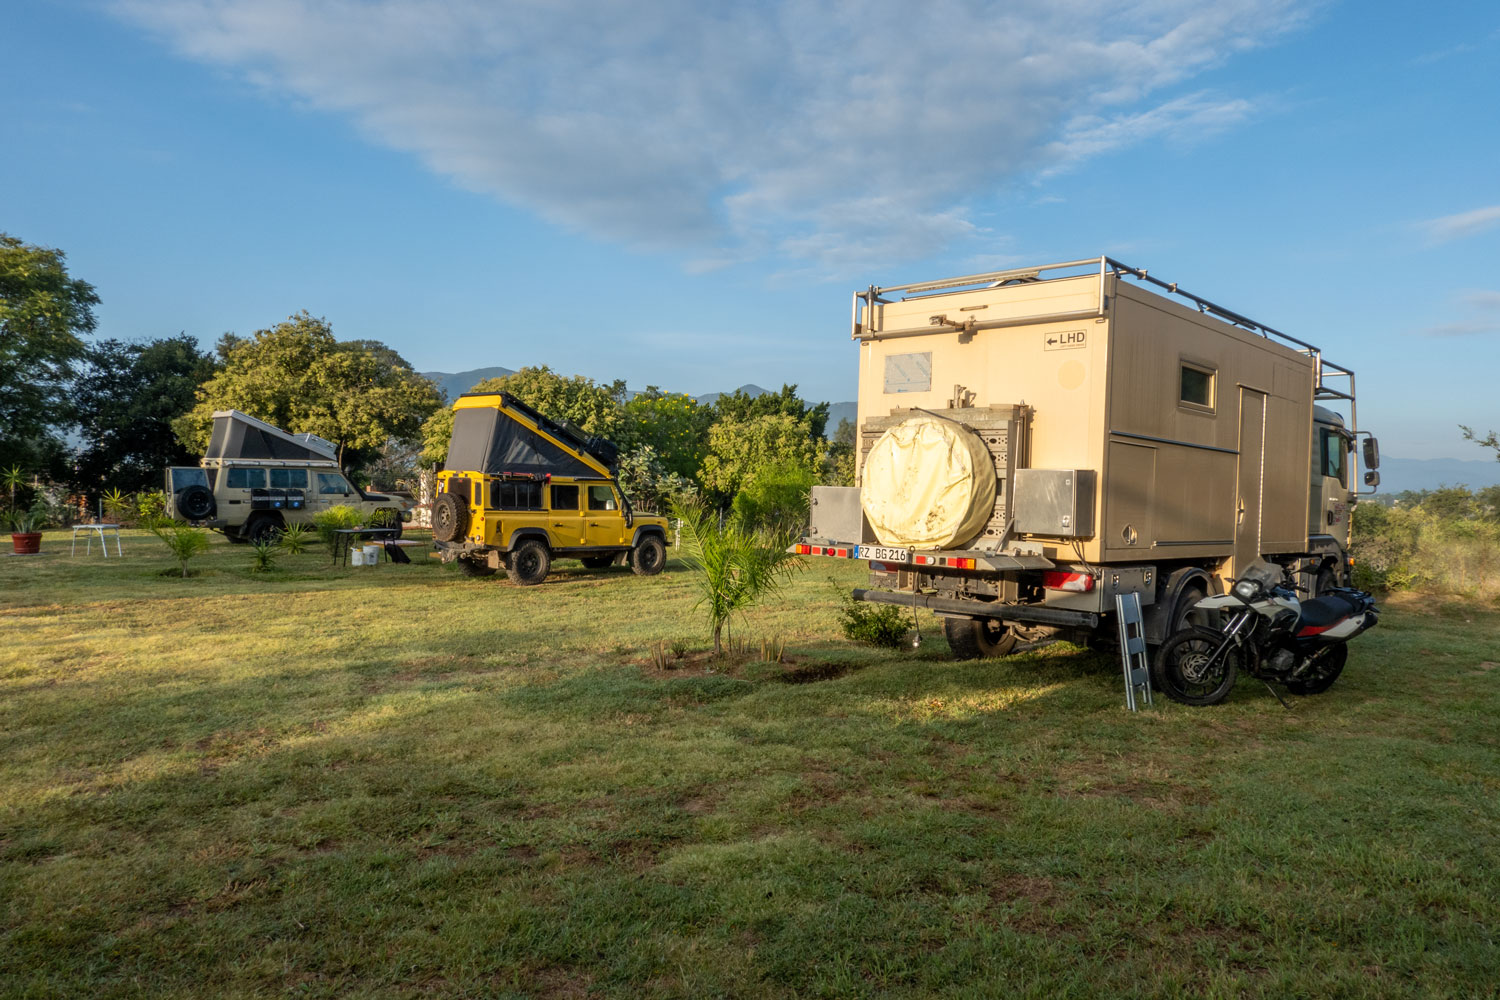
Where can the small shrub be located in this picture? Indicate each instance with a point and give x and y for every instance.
(876, 624)
(184, 541)
(296, 538)
(118, 506)
(659, 656)
(336, 518)
(263, 557)
(150, 507)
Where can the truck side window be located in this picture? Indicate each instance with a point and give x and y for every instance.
(515, 496)
(246, 479)
(289, 479)
(333, 484)
(1197, 386)
(565, 498)
(601, 498)
(1334, 465)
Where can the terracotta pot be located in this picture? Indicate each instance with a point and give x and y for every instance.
(26, 542)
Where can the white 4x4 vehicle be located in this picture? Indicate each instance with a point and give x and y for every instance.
(257, 479)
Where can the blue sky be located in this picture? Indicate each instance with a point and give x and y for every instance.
(687, 196)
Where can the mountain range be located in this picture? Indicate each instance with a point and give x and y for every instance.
(1396, 474)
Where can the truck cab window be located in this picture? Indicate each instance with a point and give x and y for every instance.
(333, 484)
(1334, 465)
(601, 498)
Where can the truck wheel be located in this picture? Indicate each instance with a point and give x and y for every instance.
(597, 562)
(196, 503)
(475, 568)
(976, 638)
(450, 518)
(529, 563)
(263, 530)
(647, 558)
(1182, 611)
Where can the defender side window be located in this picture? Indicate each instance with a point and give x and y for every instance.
(515, 496)
(601, 498)
(565, 498)
(246, 479)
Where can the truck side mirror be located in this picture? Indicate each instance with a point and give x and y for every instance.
(1372, 454)
(1372, 479)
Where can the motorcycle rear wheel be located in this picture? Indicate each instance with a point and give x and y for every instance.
(1325, 670)
(1177, 670)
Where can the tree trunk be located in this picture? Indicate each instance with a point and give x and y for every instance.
(718, 645)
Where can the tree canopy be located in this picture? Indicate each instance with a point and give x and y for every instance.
(44, 315)
(124, 402)
(296, 375)
(740, 406)
(740, 449)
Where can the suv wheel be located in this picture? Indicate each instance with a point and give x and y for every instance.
(263, 530)
(647, 558)
(450, 518)
(529, 563)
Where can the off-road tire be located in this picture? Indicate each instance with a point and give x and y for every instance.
(1171, 669)
(196, 503)
(978, 638)
(1325, 671)
(529, 563)
(648, 557)
(597, 562)
(450, 518)
(475, 568)
(264, 529)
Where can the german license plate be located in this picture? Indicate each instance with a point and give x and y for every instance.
(880, 553)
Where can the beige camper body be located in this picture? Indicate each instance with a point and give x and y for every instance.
(1167, 441)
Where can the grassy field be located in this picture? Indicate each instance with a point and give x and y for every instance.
(400, 782)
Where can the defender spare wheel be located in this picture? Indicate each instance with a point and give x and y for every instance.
(450, 518)
(928, 483)
(196, 503)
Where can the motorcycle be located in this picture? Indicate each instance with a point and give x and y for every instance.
(1268, 633)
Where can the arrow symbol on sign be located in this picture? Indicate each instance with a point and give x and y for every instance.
(1051, 341)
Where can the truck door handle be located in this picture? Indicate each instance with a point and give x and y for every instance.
(558, 524)
(593, 524)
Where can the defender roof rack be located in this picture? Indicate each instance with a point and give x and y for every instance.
(1105, 266)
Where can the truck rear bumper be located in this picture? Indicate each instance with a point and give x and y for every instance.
(982, 609)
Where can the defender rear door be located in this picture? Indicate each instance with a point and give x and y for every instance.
(565, 526)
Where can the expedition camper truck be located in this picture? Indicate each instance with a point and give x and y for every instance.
(255, 479)
(1033, 442)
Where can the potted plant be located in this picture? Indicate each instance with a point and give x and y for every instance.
(26, 529)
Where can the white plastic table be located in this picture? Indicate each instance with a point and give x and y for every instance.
(96, 529)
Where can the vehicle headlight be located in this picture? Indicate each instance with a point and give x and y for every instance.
(1244, 590)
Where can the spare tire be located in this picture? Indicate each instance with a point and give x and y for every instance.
(450, 518)
(196, 503)
(928, 483)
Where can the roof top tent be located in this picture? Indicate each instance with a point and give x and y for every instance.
(495, 433)
(238, 435)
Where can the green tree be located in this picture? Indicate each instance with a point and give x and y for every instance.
(775, 498)
(838, 465)
(44, 315)
(739, 450)
(357, 394)
(124, 402)
(1490, 440)
(673, 425)
(740, 407)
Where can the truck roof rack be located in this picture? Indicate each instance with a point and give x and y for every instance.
(1342, 386)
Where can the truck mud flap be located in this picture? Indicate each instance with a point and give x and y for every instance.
(978, 609)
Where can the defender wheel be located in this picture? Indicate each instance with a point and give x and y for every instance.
(529, 563)
(450, 518)
(597, 562)
(471, 567)
(196, 503)
(1181, 669)
(264, 530)
(647, 558)
(1328, 663)
(978, 638)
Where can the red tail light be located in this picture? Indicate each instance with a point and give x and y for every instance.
(1074, 583)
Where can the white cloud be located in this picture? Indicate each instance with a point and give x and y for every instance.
(1484, 300)
(829, 131)
(1470, 223)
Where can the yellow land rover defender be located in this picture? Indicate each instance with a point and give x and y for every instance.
(519, 490)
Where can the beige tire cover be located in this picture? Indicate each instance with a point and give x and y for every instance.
(928, 483)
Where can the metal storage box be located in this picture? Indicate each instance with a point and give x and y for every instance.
(1055, 502)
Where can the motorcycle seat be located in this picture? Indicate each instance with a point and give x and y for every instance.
(1327, 609)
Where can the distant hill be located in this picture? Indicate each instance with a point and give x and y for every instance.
(1400, 474)
(455, 384)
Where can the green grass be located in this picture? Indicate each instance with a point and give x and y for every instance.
(400, 782)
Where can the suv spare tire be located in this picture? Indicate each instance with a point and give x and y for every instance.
(196, 503)
(450, 518)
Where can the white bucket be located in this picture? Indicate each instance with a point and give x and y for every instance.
(356, 557)
(372, 555)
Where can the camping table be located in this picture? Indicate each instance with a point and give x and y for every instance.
(344, 538)
(96, 529)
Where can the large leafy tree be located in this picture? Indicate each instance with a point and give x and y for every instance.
(739, 406)
(124, 402)
(674, 426)
(739, 450)
(44, 315)
(296, 375)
